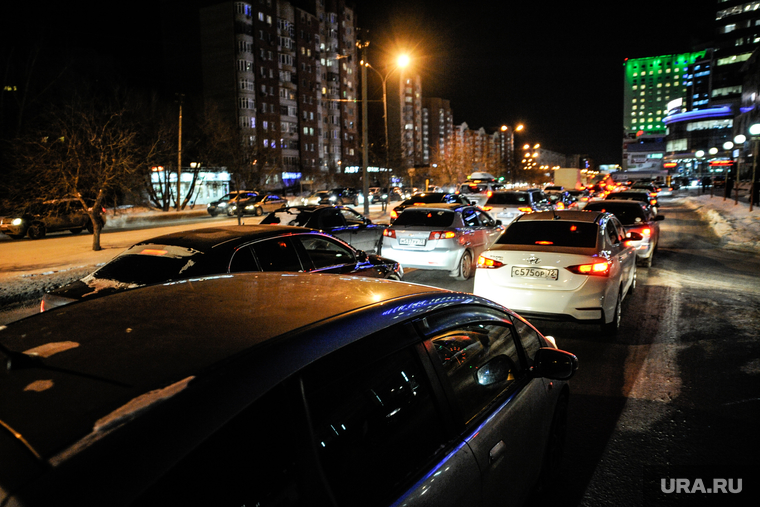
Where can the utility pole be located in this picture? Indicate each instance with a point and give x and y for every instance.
(365, 135)
(180, 97)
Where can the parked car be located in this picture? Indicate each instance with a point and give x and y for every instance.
(446, 237)
(378, 194)
(635, 217)
(218, 250)
(508, 205)
(340, 221)
(561, 265)
(220, 206)
(257, 205)
(55, 215)
(224, 391)
(641, 196)
(428, 198)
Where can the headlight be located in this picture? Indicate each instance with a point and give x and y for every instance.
(332, 197)
(250, 206)
(16, 221)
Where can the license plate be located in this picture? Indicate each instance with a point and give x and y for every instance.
(412, 241)
(518, 272)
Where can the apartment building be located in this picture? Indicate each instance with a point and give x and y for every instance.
(285, 72)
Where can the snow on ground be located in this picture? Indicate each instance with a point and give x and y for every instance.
(735, 224)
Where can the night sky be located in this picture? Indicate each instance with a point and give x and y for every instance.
(555, 67)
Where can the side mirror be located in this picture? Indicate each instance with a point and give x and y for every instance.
(361, 256)
(554, 364)
(498, 223)
(494, 371)
(634, 236)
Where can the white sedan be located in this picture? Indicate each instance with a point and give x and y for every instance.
(561, 265)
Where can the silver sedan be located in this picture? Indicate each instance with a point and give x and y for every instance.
(447, 237)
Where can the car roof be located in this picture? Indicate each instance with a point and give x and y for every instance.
(450, 206)
(104, 361)
(209, 238)
(570, 215)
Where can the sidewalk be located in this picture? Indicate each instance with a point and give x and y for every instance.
(734, 223)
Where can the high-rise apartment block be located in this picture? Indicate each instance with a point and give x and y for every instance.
(287, 74)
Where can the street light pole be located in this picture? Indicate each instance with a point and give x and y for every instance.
(365, 133)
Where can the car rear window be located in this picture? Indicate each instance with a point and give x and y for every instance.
(509, 198)
(628, 215)
(146, 269)
(432, 218)
(555, 233)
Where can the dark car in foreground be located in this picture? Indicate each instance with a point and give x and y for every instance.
(224, 391)
(39, 219)
(230, 249)
(635, 217)
(428, 198)
(340, 221)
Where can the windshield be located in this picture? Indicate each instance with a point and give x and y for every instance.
(431, 218)
(145, 269)
(554, 233)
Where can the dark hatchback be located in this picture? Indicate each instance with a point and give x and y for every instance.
(224, 391)
(230, 249)
(340, 221)
(428, 198)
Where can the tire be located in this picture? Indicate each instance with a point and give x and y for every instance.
(90, 228)
(611, 328)
(464, 270)
(36, 231)
(258, 211)
(76, 231)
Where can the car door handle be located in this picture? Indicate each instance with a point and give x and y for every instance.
(496, 452)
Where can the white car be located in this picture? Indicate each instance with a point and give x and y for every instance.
(561, 265)
(442, 236)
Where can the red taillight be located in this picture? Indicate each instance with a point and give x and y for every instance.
(487, 208)
(653, 202)
(389, 233)
(489, 193)
(442, 235)
(646, 232)
(42, 306)
(559, 205)
(525, 209)
(394, 214)
(486, 263)
(593, 269)
(153, 251)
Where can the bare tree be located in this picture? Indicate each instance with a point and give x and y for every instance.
(86, 150)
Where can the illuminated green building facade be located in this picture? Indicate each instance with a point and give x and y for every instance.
(651, 84)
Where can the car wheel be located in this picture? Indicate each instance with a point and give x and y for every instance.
(258, 211)
(464, 271)
(611, 328)
(213, 215)
(36, 231)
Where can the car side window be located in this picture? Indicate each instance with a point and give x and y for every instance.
(485, 219)
(466, 350)
(324, 252)
(277, 254)
(375, 424)
(351, 217)
(529, 338)
(611, 232)
(243, 260)
(261, 457)
(331, 218)
(470, 218)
